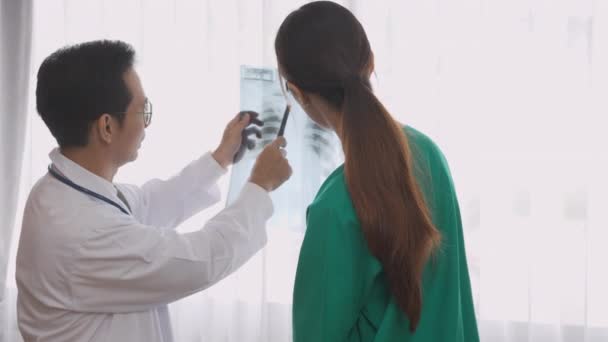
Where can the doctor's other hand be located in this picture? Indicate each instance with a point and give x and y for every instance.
(236, 139)
(271, 168)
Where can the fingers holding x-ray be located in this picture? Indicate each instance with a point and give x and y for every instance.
(252, 130)
(254, 117)
(247, 143)
(247, 133)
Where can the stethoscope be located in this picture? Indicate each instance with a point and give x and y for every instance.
(84, 190)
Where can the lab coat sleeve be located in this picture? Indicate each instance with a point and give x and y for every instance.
(327, 295)
(129, 267)
(167, 203)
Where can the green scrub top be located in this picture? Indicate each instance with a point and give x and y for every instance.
(340, 291)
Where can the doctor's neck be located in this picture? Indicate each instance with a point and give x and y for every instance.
(93, 160)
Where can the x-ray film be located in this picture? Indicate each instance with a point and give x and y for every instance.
(313, 152)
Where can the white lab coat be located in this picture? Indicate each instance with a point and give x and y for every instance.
(88, 272)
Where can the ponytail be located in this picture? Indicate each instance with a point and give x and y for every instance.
(379, 174)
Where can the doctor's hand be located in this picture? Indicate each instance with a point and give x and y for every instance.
(235, 140)
(271, 168)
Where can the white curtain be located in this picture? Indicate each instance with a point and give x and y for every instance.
(15, 46)
(512, 91)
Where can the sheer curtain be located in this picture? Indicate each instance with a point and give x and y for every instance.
(512, 91)
(15, 46)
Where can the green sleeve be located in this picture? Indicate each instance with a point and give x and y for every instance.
(449, 211)
(327, 290)
(469, 321)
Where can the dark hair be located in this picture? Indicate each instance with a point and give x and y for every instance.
(79, 83)
(323, 49)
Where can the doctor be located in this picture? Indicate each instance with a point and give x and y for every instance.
(99, 261)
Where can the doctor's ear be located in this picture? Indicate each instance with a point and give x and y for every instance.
(104, 127)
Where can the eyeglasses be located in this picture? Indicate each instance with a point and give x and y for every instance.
(147, 113)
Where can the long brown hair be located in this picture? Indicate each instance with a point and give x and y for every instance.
(323, 49)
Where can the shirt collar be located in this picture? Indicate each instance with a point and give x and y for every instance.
(82, 176)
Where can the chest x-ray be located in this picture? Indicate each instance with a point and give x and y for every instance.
(313, 152)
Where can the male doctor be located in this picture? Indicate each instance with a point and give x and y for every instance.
(99, 261)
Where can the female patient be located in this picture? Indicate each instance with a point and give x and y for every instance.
(383, 258)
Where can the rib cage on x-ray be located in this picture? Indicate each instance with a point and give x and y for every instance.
(313, 152)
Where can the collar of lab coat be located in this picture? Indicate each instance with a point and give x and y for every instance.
(82, 176)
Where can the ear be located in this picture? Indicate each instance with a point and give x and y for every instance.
(104, 127)
(371, 65)
(300, 96)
